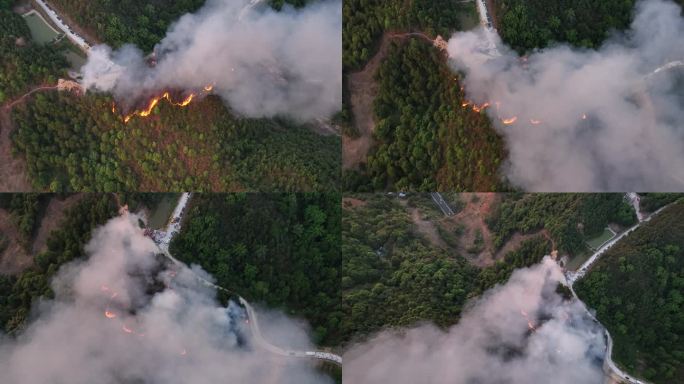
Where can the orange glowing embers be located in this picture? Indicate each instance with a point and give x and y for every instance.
(110, 315)
(530, 324)
(510, 120)
(147, 111)
(479, 108)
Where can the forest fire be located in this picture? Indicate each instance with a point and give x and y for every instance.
(530, 324)
(147, 111)
(477, 108)
(509, 121)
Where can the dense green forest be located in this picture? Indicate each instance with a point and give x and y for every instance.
(650, 202)
(637, 291)
(77, 143)
(425, 140)
(24, 63)
(26, 208)
(364, 21)
(569, 218)
(63, 245)
(279, 249)
(392, 276)
(143, 23)
(529, 24)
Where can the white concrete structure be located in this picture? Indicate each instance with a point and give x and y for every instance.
(68, 32)
(442, 204)
(491, 35)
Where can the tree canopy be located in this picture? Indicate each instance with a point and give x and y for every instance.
(636, 289)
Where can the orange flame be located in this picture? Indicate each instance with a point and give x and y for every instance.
(530, 324)
(465, 104)
(155, 101)
(477, 108)
(510, 120)
(110, 315)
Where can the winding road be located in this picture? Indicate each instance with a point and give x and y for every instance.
(584, 268)
(172, 229)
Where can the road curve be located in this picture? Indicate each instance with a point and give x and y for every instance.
(172, 229)
(572, 277)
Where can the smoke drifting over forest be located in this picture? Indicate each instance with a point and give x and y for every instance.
(261, 62)
(600, 125)
(174, 333)
(493, 342)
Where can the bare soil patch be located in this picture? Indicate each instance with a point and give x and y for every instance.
(362, 90)
(13, 175)
(14, 258)
(53, 217)
(350, 203)
(427, 228)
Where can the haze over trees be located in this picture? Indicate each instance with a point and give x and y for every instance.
(143, 23)
(18, 293)
(636, 289)
(393, 275)
(282, 250)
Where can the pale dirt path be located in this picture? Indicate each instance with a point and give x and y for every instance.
(362, 90)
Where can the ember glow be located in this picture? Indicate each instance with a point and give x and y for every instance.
(509, 121)
(110, 315)
(147, 111)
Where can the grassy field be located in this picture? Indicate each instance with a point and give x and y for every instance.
(41, 32)
(162, 211)
(596, 242)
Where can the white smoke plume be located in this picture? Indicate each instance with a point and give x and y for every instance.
(172, 332)
(493, 342)
(632, 133)
(263, 63)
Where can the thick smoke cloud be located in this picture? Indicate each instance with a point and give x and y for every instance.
(170, 334)
(262, 62)
(632, 136)
(492, 343)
